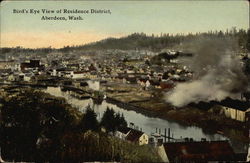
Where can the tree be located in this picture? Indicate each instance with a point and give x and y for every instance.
(120, 120)
(108, 120)
(89, 121)
(37, 130)
(112, 121)
(248, 40)
(147, 62)
(26, 120)
(242, 38)
(247, 66)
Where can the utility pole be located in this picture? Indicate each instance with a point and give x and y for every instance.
(248, 155)
(168, 134)
(165, 135)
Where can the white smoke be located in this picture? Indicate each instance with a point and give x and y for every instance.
(218, 74)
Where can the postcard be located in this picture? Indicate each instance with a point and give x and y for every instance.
(124, 81)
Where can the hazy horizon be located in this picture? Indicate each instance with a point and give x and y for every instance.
(127, 17)
(108, 37)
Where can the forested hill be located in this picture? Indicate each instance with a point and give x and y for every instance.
(135, 41)
(149, 42)
(158, 42)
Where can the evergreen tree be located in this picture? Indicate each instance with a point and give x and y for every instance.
(248, 40)
(112, 121)
(108, 120)
(247, 66)
(89, 121)
(120, 120)
(242, 38)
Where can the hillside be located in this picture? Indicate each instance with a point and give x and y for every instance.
(156, 43)
(143, 41)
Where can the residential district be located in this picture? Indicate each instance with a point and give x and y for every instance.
(135, 80)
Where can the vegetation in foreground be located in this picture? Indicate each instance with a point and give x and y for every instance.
(37, 127)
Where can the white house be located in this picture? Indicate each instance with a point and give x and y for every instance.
(78, 74)
(137, 137)
(132, 135)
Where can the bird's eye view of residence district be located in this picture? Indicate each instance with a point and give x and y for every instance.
(124, 81)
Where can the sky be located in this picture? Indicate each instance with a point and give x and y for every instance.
(151, 17)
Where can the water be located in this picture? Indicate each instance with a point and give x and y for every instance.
(147, 124)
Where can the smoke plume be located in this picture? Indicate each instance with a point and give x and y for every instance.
(217, 73)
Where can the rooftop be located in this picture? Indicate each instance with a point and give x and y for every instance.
(124, 130)
(134, 135)
(199, 151)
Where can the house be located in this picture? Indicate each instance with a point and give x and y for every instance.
(234, 109)
(7, 64)
(137, 137)
(167, 84)
(155, 83)
(131, 80)
(132, 135)
(231, 108)
(122, 132)
(144, 82)
(78, 74)
(74, 66)
(204, 151)
(33, 64)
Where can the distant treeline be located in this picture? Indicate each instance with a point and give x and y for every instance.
(155, 42)
(150, 42)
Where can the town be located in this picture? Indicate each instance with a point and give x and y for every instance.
(139, 80)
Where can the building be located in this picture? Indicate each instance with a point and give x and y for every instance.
(204, 151)
(234, 109)
(7, 64)
(33, 64)
(122, 132)
(231, 108)
(137, 137)
(132, 135)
